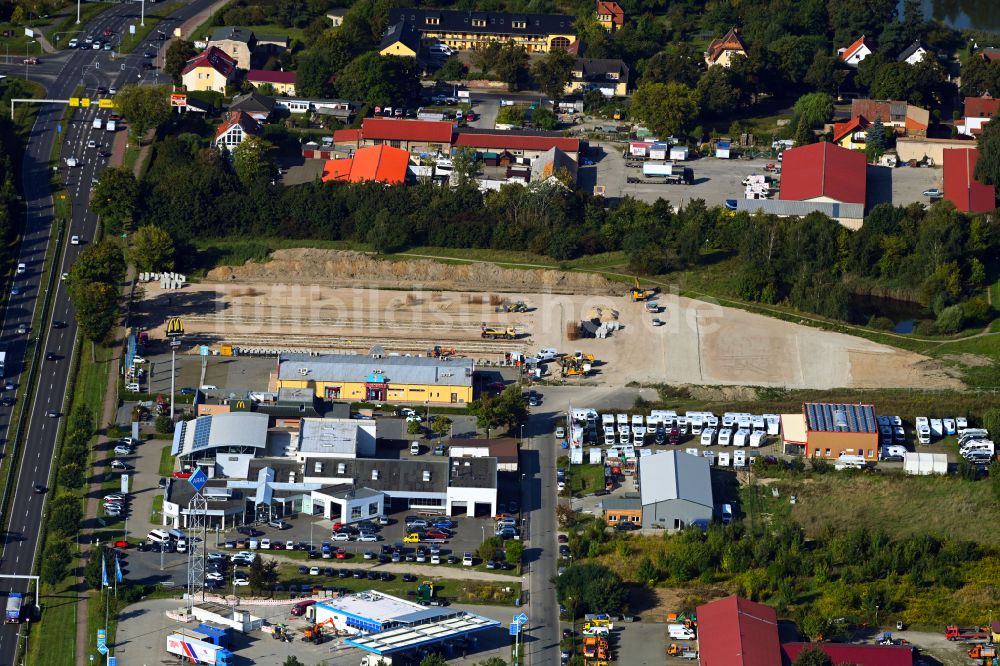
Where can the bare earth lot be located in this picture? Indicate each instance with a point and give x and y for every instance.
(325, 300)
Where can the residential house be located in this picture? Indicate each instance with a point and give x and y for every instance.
(960, 185)
(415, 136)
(537, 33)
(257, 106)
(914, 53)
(341, 109)
(383, 164)
(400, 39)
(552, 163)
(978, 112)
(245, 47)
(851, 134)
(675, 490)
(854, 654)
(905, 119)
(282, 83)
(722, 51)
(610, 15)
(855, 53)
(990, 54)
(336, 16)
(211, 70)
(237, 126)
(607, 75)
(624, 510)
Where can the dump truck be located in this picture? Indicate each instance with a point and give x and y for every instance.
(499, 333)
(595, 647)
(683, 651)
(198, 652)
(640, 294)
(985, 655)
(954, 633)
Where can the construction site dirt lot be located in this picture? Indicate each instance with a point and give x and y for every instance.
(330, 301)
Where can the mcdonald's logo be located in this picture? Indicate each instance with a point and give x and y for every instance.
(240, 404)
(175, 327)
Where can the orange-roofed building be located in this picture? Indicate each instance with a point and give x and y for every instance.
(237, 126)
(722, 51)
(610, 15)
(856, 52)
(383, 164)
(852, 134)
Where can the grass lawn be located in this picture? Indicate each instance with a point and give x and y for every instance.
(902, 506)
(272, 29)
(458, 591)
(584, 479)
(166, 461)
(55, 634)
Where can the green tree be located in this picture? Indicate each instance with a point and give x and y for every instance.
(65, 515)
(511, 115)
(991, 420)
(96, 308)
(988, 166)
(594, 588)
(465, 166)
(164, 425)
(251, 162)
(144, 107)
(552, 71)
(178, 53)
(813, 656)
(152, 249)
(512, 64)
(665, 108)
(514, 551)
(488, 549)
(876, 140)
(803, 135)
(815, 108)
(995, 479)
(453, 69)
(646, 572)
(544, 118)
(99, 262)
(17, 16)
(56, 560)
(677, 63)
(413, 428)
(92, 569)
(114, 198)
(71, 476)
(380, 80)
(433, 660)
(484, 57)
(492, 661)
(441, 425)
(292, 660)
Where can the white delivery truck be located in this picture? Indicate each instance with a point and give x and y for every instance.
(112, 126)
(680, 632)
(98, 122)
(198, 652)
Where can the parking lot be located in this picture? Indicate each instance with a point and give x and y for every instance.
(716, 180)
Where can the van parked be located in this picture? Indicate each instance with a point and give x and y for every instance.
(182, 545)
(132, 387)
(727, 514)
(415, 448)
(176, 534)
(157, 536)
(680, 632)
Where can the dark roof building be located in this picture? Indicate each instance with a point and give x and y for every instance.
(824, 172)
(960, 184)
(737, 632)
(856, 655)
(834, 430)
(257, 106)
(404, 33)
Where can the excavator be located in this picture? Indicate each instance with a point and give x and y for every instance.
(315, 634)
(640, 294)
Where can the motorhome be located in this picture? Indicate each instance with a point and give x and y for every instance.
(725, 436)
(758, 438)
(850, 462)
(740, 438)
(708, 437)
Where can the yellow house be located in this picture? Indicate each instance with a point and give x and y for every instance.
(722, 51)
(852, 134)
(283, 83)
(211, 70)
(379, 378)
(610, 15)
(400, 39)
(461, 30)
(609, 76)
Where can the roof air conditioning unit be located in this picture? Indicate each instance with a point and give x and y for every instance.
(427, 475)
(303, 371)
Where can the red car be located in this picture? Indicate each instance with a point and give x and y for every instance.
(338, 526)
(341, 554)
(121, 544)
(182, 475)
(437, 534)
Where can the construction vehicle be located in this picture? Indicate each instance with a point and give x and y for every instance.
(593, 629)
(986, 655)
(499, 333)
(425, 591)
(280, 633)
(440, 352)
(315, 634)
(516, 306)
(954, 633)
(682, 650)
(595, 647)
(640, 294)
(575, 370)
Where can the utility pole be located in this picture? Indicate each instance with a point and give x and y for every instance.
(142, 19)
(78, 12)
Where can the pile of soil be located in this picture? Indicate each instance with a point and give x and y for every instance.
(340, 268)
(601, 313)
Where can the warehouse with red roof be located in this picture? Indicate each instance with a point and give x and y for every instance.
(737, 632)
(856, 655)
(960, 184)
(383, 164)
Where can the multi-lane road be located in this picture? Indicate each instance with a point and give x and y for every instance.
(60, 74)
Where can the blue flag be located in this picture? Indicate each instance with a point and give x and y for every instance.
(104, 572)
(118, 570)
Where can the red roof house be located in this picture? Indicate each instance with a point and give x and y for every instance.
(513, 142)
(212, 57)
(610, 13)
(282, 82)
(855, 124)
(237, 126)
(382, 130)
(823, 172)
(856, 655)
(856, 52)
(738, 632)
(960, 186)
(384, 164)
(981, 107)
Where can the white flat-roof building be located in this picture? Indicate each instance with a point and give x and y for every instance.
(234, 432)
(335, 438)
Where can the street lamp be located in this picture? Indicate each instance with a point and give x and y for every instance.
(522, 434)
(876, 616)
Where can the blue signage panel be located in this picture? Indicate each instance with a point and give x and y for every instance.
(198, 480)
(514, 629)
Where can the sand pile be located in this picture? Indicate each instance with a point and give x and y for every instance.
(601, 313)
(335, 267)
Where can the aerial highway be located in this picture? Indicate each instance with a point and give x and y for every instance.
(97, 71)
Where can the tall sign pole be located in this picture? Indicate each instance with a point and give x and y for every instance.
(175, 329)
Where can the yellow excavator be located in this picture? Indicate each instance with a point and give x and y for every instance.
(640, 294)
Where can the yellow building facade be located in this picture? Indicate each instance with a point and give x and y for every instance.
(359, 378)
(537, 33)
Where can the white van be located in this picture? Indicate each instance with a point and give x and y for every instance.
(182, 545)
(850, 462)
(98, 122)
(414, 448)
(680, 632)
(157, 536)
